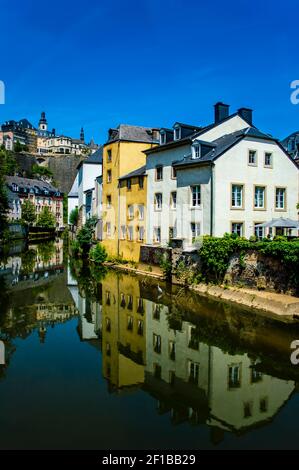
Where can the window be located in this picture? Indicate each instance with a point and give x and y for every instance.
(259, 197)
(158, 201)
(140, 306)
(141, 212)
(280, 198)
(157, 371)
(159, 173)
(259, 232)
(234, 376)
(237, 196)
(108, 324)
(263, 405)
(130, 233)
(173, 200)
(156, 311)
(108, 229)
(177, 133)
(196, 195)
(256, 375)
(122, 300)
(108, 202)
(130, 302)
(162, 138)
(131, 212)
(252, 157)
(140, 327)
(123, 232)
(109, 176)
(268, 159)
(193, 372)
(108, 349)
(172, 232)
(141, 234)
(129, 184)
(171, 350)
(247, 406)
(157, 343)
(237, 228)
(140, 182)
(129, 323)
(109, 155)
(157, 234)
(193, 339)
(196, 151)
(173, 172)
(195, 230)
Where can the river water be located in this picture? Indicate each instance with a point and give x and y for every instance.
(103, 360)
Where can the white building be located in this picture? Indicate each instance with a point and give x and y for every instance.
(88, 171)
(225, 177)
(73, 197)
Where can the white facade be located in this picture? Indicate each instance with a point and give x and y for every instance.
(72, 199)
(215, 214)
(87, 174)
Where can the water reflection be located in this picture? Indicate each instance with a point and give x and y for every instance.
(199, 359)
(204, 363)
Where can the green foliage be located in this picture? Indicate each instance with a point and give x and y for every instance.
(18, 147)
(8, 163)
(28, 213)
(215, 254)
(46, 251)
(84, 238)
(65, 209)
(3, 206)
(98, 254)
(184, 274)
(41, 172)
(46, 218)
(74, 216)
(166, 265)
(28, 261)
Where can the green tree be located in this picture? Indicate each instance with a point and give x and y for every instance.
(74, 216)
(3, 205)
(8, 163)
(28, 213)
(18, 147)
(42, 172)
(65, 209)
(46, 218)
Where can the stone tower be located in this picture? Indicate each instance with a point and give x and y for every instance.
(82, 134)
(43, 124)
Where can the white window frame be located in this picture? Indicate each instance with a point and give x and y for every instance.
(268, 165)
(159, 168)
(284, 192)
(257, 197)
(141, 212)
(255, 157)
(234, 196)
(130, 233)
(131, 211)
(173, 201)
(196, 232)
(241, 224)
(157, 230)
(197, 193)
(177, 133)
(157, 206)
(141, 233)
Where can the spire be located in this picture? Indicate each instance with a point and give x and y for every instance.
(43, 124)
(82, 134)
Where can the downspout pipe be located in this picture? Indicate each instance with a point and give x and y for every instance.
(212, 200)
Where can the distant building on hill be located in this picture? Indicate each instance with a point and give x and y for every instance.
(40, 193)
(42, 141)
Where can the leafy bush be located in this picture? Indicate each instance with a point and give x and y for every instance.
(166, 265)
(46, 218)
(74, 216)
(98, 254)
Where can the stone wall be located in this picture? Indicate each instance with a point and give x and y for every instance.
(63, 167)
(152, 254)
(254, 270)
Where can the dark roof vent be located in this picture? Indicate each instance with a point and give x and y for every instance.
(246, 113)
(221, 111)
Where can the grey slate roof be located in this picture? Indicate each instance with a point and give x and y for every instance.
(30, 183)
(139, 172)
(133, 133)
(96, 157)
(74, 189)
(223, 144)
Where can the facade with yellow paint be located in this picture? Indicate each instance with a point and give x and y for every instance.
(123, 154)
(123, 332)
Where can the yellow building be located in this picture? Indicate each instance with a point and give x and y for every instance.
(122, 155)
(123, 331)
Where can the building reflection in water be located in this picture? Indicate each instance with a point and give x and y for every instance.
(150, 345)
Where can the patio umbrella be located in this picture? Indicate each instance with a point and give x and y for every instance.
(280, 223)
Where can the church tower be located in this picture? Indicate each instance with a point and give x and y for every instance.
(82, 134)
(43, 124)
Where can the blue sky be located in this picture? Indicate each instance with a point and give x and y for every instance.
(100, 63)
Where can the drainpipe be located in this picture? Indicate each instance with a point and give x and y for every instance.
(212, 201)
(118, 196)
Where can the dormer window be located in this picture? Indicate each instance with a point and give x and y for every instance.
(162, 137)
(15, 187)
(177, 133)
(196, 151)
